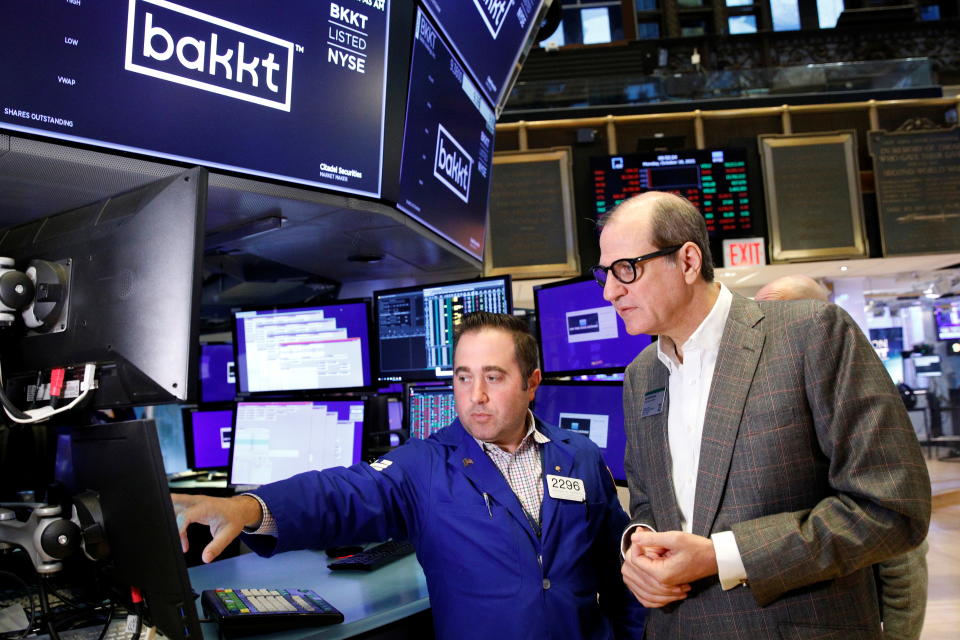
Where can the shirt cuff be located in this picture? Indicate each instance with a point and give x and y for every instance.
(729, 563)
(268, 526)
(625, 538)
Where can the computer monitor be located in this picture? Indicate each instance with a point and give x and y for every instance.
(428, 408)
(715, 180)
(118, 284)
(926, 366)
(415, 325)
(947, 318)
(207, 434)
(593, 409)
(297, 95)
(275, 440)
(447, 144)
(217, 373)
(303, 348)
(579, 332)
(491, 38)
(121, 464)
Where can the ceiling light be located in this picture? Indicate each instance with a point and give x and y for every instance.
(728, 274)
(844, 268)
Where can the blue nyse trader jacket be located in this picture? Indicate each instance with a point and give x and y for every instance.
(488, 574)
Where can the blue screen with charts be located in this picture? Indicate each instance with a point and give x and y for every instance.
(242, 86)
(447, 144)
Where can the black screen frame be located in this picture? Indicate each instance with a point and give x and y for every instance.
(406, 399)
(188, 435)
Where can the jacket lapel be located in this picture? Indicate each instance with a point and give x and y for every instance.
(558, 458)
(659, 465)
(740, 349)
(479, 469)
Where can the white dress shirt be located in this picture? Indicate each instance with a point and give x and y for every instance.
(689, 389)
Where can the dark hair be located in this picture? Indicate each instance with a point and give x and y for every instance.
(524, 344)
(674, 221)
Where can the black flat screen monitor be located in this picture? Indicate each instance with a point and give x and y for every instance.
(447, 144)
(119, 285)
(275, 440)
(296, 95)
(593, 409)
(579, 332)
(415, 325)
(121, 462)
(428, 408)
(217, 373)
(714, 180)
(947, 317)
(207, 434)
(303, 348)
(490, 36)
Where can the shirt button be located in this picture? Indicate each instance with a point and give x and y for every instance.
(546, 583)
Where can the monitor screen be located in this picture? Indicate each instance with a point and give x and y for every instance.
(303, 348)
(948, 321)
(447, 145)
(714, 180)
(428, 409)
(118, 286)
(926, 366)
(593, 409)
(415, 325)
(217, 373)
(275, 440)
(489, 36)
(580, 332)
(207, 434)
(232, 85)
(120, 464)
(888, 343)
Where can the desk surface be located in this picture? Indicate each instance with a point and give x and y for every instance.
(367, 599)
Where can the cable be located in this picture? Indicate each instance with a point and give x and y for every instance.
(106, 625)
(45, 605)
(42, 413)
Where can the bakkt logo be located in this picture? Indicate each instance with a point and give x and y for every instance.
(452, 165)
(178, 44)
(494, 14)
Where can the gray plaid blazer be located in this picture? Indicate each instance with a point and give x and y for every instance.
(807, 455)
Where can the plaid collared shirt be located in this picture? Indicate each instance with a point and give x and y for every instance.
(523, 470)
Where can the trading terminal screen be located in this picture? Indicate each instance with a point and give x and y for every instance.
(275, 440)
(429, 409)
(579, 332)
(594, 410)
(714, 180)
(415, 326)
(208, 434)
(217, 373)
(303, 348)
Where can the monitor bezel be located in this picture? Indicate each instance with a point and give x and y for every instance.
(940, 327)
(426, 375)
(539, 334)
(407, 388)
(187, 419)
(313, 393)
(200, 384)
(364, 399)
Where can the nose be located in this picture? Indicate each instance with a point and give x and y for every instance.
(613, 289)
(478, 394)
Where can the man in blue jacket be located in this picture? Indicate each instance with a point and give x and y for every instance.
(516, 523)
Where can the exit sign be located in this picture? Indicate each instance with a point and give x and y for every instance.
(744, 252)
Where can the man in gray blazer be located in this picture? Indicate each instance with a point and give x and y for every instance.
(769, 457)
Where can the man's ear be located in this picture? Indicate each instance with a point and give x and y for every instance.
(691, 262)
(533, 382)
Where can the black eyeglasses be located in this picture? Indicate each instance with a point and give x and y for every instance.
(626, 270)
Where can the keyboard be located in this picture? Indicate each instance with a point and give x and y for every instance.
(374, 557)
(241, 612)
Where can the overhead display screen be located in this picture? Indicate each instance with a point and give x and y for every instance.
(447, 144)
(714, 180)
(296, 95)
(488, 35)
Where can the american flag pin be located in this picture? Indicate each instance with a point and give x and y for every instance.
(467, 462)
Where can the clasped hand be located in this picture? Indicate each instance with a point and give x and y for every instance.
(659, 567)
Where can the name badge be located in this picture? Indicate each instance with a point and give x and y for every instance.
(653, 402)
(563, 488)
